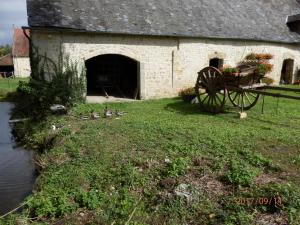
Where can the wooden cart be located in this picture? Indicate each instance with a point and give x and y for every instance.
(213, 88)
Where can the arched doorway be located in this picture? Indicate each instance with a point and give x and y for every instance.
(287, 71)
(113, 75)
(216, 62)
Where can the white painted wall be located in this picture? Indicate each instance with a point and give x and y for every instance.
(22, 67)
(167, 64)
(195, 54)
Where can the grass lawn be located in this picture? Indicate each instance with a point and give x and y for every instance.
(9, 85)
(166, 162)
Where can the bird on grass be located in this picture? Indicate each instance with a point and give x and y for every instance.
(108, 113)
(119, 113)
(94, 115)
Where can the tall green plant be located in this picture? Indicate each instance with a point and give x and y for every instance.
(52, 82)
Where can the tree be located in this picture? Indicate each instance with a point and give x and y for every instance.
(5, 49)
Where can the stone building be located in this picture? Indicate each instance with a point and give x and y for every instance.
(20, 53)
(152, 49)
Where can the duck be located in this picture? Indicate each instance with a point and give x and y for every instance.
(119, 113)
(95, 115)
(107, 113)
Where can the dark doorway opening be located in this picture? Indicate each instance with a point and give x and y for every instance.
(287, 71)
(6, 66)
(216, 62)
(113, 75)
(6, 71)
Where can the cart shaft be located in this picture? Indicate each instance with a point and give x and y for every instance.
(263, 92)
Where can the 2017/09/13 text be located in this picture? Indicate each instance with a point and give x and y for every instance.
(277, 201)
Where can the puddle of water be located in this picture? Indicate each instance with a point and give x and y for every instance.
(17, 170)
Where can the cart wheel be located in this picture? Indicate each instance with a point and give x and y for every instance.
(210, 90)
(246, 102)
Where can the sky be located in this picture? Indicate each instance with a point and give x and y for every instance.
(12, 12)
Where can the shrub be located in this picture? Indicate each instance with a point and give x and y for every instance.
(187, 91)
(187, 94)
(91, 200)
(56, 205)
(240, 174)
(51, 83)
(177, 167)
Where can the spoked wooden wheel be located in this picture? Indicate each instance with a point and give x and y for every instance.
(245, 102)
(210, 90)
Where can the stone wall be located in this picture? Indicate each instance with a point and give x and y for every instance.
(21, 67)
(166, 64)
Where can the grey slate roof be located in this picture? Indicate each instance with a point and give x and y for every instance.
(229, 19)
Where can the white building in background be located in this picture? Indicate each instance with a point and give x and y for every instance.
(20, 53)
(152, 49)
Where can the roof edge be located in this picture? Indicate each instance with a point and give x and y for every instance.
(71, 30)
(293, 18)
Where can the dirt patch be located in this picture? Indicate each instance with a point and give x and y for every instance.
(284, 157)
(200, 161)
(81, 217)
(207, 184)
(272, 219)
(264, 179)
(168, 183)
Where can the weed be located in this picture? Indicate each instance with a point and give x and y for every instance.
(177, 167)
(255, 159)
(241, 174)
(55, 205)
(297, 160)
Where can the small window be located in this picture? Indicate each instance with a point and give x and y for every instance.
(216, 62)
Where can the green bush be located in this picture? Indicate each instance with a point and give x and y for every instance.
(56, 205)
(187, 94)
(187, 91)
(177, 167)
(51, 83)
(240, 174)
(91, 200)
